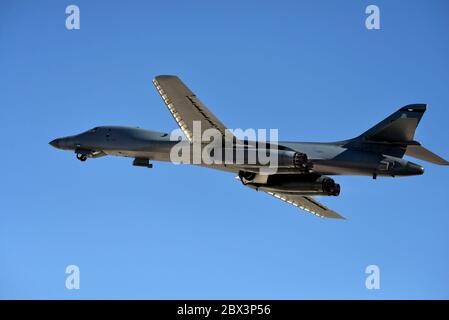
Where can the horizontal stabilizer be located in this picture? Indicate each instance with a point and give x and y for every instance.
(419, 152)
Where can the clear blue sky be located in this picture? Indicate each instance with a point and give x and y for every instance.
(310, 69)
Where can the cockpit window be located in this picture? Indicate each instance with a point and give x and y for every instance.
(93, 130)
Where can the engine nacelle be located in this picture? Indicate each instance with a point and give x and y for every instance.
(291, 161)
(298, 184)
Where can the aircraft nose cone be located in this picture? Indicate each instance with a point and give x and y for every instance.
(54, 143)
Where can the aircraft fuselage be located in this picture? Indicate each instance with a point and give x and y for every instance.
(327, 158)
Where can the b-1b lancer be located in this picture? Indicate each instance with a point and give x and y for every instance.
(302, 168)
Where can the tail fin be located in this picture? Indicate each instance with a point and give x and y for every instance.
(398, 127)
(395, 136)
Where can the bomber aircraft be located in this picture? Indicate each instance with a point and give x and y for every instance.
(302, 168)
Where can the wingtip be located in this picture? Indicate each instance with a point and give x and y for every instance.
(337, 216)
(444, 162)
(164, 76)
